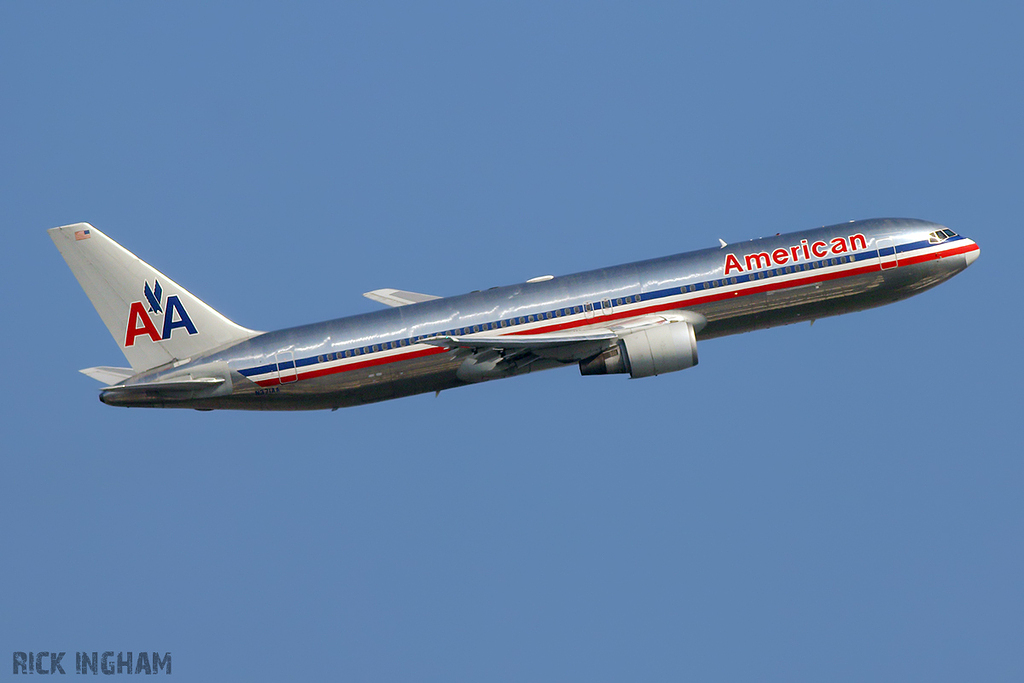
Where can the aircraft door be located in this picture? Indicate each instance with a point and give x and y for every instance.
(286, 370)
(887, 257)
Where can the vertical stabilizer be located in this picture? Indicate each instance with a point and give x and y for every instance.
(152, 318)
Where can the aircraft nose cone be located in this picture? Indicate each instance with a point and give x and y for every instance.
(973, 254)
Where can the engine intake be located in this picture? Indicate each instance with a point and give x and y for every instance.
(648, 352)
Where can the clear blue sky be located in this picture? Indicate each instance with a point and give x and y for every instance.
(836, 502)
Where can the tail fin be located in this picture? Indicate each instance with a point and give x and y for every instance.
(152, 318)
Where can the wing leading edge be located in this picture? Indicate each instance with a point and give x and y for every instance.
(568, 346)
(398, 297)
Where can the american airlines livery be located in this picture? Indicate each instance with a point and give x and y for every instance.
(640, 319)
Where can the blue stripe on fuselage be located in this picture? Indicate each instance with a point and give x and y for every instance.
(819, 265)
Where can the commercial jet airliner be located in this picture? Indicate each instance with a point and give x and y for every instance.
(640, 319)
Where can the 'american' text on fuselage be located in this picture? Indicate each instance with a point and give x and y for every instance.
(803, 251)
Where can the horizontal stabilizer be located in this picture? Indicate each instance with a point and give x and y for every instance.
(170, 387)
(202, 381)
(398, 297)
(171, 390)
(108, 375)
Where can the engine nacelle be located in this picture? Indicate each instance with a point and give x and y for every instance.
(652, 351)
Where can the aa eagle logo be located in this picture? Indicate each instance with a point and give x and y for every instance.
(141, 323)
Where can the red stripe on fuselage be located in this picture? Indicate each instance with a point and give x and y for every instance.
(645, 310)
(935, 256)
(309, 374)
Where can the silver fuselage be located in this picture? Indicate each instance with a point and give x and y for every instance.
(380, 355)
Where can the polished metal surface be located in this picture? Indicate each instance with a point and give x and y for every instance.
(308, 367)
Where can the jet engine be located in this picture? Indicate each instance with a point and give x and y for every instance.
(647, 352)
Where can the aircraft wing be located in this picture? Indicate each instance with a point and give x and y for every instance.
(398, 297)
(570, 345)
(521, 341)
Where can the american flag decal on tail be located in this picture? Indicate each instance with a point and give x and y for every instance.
(81, 235)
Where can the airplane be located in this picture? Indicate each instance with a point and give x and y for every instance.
(641, 319)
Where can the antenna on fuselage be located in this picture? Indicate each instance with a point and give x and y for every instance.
(722, 242)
